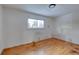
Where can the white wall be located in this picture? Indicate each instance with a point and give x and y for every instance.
(16, 31)
(1, 30)
(68, 27)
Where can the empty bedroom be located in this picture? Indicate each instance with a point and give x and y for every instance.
(39, 29)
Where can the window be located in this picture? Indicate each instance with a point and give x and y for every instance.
(33, 23)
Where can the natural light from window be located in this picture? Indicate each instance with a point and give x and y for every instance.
(33, 23)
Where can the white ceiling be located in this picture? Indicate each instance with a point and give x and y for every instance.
(43, 9)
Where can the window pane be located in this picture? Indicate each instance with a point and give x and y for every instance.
(33, 23)
(40, 23)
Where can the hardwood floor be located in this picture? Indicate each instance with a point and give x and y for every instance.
(50, 46)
